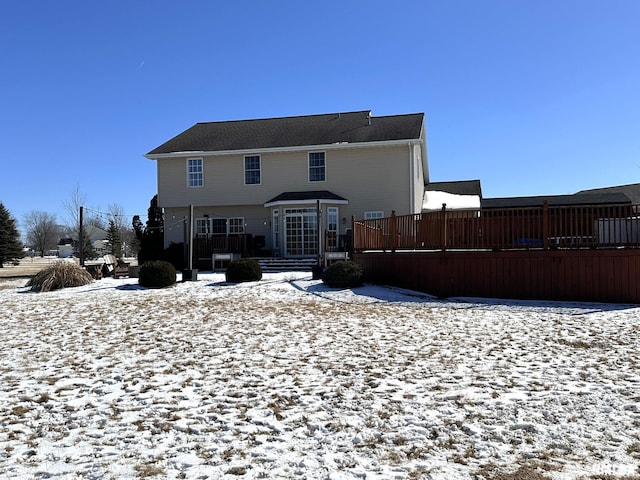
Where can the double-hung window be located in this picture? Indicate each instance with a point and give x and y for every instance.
(236, 225)
(195, 174)
(332, 226)
(203, 226)
(317, 167)
(252, 170)
(218, 226)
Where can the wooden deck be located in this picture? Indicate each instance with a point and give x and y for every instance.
(569, 275)
(579, 253)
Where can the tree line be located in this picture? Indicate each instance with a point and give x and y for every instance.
(42, 232)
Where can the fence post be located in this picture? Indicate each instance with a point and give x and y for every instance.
(353, 236)
(394, 231)
(443, 227)
(545, 225)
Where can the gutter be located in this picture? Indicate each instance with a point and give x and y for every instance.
(249, 151)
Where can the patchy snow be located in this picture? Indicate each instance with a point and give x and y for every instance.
(434, 199)
(286, 378)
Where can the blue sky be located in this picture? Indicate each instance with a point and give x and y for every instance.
(532, 97)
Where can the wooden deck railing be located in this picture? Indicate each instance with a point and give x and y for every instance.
(205, 246)
(545, 227)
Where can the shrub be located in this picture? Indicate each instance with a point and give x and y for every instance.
(157, 274)
(243, 270)
(345, 274)
(60, 274)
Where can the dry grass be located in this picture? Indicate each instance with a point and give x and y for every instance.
(523, 473)
(26, 268)
(60, 274)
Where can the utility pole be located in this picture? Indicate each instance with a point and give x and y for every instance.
(81, 239)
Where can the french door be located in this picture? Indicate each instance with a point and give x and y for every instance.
(301, 232)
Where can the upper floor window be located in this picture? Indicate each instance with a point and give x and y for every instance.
(317, 168)
(195, 175)
(252, 170)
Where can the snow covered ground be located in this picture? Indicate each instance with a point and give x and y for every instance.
(286, 378)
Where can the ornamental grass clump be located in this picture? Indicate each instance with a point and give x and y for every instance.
(157, 274)
(58, 275)
(243, 270)
(345, 274)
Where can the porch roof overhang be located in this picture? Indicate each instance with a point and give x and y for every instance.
(302, 198)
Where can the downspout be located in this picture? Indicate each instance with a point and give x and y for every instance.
(411, 186)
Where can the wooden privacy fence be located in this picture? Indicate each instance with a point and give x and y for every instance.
(544, 227)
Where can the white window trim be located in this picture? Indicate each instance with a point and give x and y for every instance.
(333, 211)
(244, 164)
(275, 219)
(189, 173)
(309, 167)
(204, 221)
(229, 222)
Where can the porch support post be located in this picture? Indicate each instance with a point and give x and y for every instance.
(191, 237)
(394, 231)
(319, 233)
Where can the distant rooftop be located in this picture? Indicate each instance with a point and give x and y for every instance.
(615, 198)
(462, 187)
(631, 190)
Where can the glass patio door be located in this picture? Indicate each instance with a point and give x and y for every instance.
(301, 232)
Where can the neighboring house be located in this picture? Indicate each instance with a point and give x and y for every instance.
(461, 195)
(582, 199)
(97, 237)
(631, 190)
(264, 179)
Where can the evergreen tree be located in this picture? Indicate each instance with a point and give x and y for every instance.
(11, 250)
(138, 231)
(114, 239)
(88, 249)
(152, 241)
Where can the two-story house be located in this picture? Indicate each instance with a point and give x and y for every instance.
(291, 184)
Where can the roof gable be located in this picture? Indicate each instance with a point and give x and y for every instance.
(310, 130)
(631, 190)
(462, 187)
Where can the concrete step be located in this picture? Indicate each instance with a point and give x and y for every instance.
(287, 264)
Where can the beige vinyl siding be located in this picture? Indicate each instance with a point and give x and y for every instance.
(371, 178)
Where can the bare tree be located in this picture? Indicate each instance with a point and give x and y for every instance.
(72, 206)
(116, 214)
(42, 231)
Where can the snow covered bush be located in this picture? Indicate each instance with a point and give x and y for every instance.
(243, 270)
(60, 274)
(157, 274)
(345, 274)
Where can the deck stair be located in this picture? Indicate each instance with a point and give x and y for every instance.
(287, 264)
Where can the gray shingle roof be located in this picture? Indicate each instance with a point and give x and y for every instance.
(463, 187)
(631, 190)
(310, 130)
(300, 196)
(557, 200)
